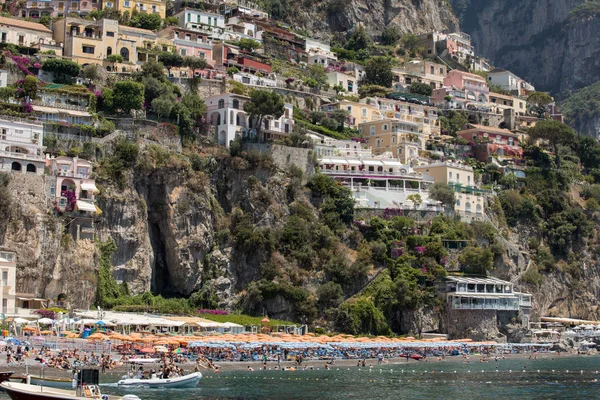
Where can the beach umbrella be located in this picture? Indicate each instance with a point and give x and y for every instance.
(20, 321)
(147, 350)
(45, 321)
(161, 349)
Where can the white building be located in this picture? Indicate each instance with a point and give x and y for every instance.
(8, 269)
(23, 33)
(3, 78)
(251, 79)
(381, 182)
(238, 28)
(226, 113)
(509, 81)
(21, 146)
(464, 293)
(348, 80)
(196, 19)
(327, 147)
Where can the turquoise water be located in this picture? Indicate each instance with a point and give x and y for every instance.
(451, 379)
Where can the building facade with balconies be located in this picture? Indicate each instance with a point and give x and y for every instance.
(470, 203)
(189, 42)
(358, 113)
(420, 71)
(73, 193)
(488, 142)
(473, 89)
(23, 33)
(91, 42)
(21, 146)
(8, 282)
(510, 82)
(381, 182)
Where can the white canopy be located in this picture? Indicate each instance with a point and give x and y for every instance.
(232, 325)
(20, 321)
(89, 186)
(372, 162)
(85, 206)
(45, 321)
(210, 324)
(392, 163)
(354, 162)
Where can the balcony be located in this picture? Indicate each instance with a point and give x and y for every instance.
(382, 174)
(22, 156)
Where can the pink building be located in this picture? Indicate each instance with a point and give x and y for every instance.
(465, 89)
(189, 42)
(74, 188)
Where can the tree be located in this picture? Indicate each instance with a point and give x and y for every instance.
(194, 63)
(92, 72)
(338, 87)
(148, 21)
(341, 116)
(30, 87)
(372, 91)
(454, 122)
(62, 68)
(115, 58)
(359, 39)
(276, 9)
(421, 88)
(476, 260)
(153, 69)
(263, 103)
(171, 21)
(555, 132)
(162, 106)
(317, 117)
(232, 71)
(329, 295)
(330, 123)
(248, 45)
(317, 72)
(379, 72)
(537, 102)
(170, 59)
(443, 193)
(128, 95)
(390, 36)
(416, 199)
(409, 41)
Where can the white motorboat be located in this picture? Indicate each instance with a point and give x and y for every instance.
(24, 391)
(186, 381)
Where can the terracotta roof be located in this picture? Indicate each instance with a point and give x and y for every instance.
(489, 129)
(24, 24)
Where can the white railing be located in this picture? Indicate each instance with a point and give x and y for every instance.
(374, 173)
(33, 157)
(69, 174)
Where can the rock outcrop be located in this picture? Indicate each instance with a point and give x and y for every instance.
(537, 40)
(335, 16)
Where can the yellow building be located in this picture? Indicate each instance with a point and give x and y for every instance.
(358, 113)
(143, 6)
(91, 42)
(470, 202)
(500, 102)
(388, 135)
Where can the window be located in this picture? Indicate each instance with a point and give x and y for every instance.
(21, 40)
(393, 139)
(385, 127)
(458, 177)
(349, 108)
(110, 34)
(364, 112)
(441, 71)
(88, 49)
(188, 37)
(189, 17)
(183, 52)
(125, 53)
(127, 4)
(450, 175)
(221, 103)
(153, 8)
(209, 19)
(74, 5)
(108, 51)
(432, 70)
(107, 5)
(372, 131)
(236, 104)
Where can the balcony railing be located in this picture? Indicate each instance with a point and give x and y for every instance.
(387, 174)
(22, 156)
(59, 105)
(70, 174)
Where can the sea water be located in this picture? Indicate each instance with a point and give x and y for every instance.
(557, 377)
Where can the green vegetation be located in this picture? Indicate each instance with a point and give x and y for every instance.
(584, 11)
(421, 88)
(582, 106)
(263, 103)
(245, 320)
(379, 72)
(127, 96)
(63, 69)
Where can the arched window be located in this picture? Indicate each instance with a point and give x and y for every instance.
(236, 104)
(221, 103)
(15, 166)
(31, 168)
(108, 51)
(125, 53)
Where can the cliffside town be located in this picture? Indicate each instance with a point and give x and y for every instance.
(358, 168)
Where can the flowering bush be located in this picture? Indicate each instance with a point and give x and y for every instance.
(27, 107)
(37, 65)
(420, 249)
(213, 312)
(45, 313)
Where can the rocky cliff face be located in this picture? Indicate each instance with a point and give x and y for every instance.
(335, 16)
(536, 40)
